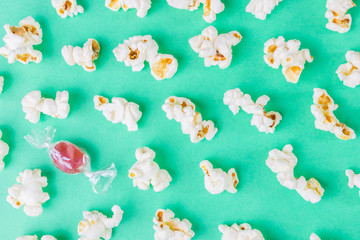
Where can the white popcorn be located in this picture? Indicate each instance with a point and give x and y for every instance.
(145, 171)
(142, 6)
(184, 4)
(183, 111)
(313, 236)
(323, 111)
(19, 41)
(167, 227)
(29, 192)
(287, 54)
(138, 49)
(261, 8)
(119, 111)
(264, 121)
(354, 179)
(283, 163)
(215, 49)
(33, 104)
(4, 150)
(84, 56)
(349, 72)
(34, 237)
(96, 225)
(1, 84)
(339, 21)
(217, 181)
(65, 8)
(240, 232)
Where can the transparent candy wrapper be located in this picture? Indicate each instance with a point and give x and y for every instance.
(72, 159)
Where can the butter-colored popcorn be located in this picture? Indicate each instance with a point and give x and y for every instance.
(240, 232)
(1, 84)
(215, 49)
(217, 181)
(183, 111)
(34, 237)
(163, 66)
(264, 121)
(65, 8)
(287, 54)
(339, 21)
(84, 56)
(313, 236)
(323, 111)
(96, 225)
(4, 150)
(33, 104)
(283, 163)
(145, 171)
(349, 73)
(261, 8)
(19, 41)
(167, 227)
(119, 111)
(142, 6)
(29, 192)
(354, 179)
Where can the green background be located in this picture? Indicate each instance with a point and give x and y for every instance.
(277, 212)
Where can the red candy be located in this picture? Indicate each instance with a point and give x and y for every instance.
(68, 158)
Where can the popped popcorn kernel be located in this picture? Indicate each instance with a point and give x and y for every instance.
(242, 231)
(29, 192)
(67, 8)
(4, 150)
(163, 66)
(142, 6)
(313, 236)
(339, 21)
(349, 73)
(354, 179)
(261, 8)
(34, 237)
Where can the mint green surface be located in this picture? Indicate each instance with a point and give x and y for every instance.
(261, 201)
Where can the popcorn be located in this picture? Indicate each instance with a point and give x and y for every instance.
(19, 42)
(214, 48)
(354, 179)
(1, 84)
(323, 111)
(183, 111)
(211, 7)
(217, 181)
(313, 236)
(84, 56)
(283, 163)
(119, 111)
(33, 104)
(287, 54)
(4, 150)
(29, 192)
(96, 225)
(167, 227)
(264, 121)
(242, 231)
(138, 49)
(65, 8)
(145, 171)
(349, 72)
(34, 237)
(142, 6)
(261, 8)
(339, 21)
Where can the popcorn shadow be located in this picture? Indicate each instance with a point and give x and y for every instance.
(46, 47)
(106, 52)
(8, 134)
(48, 172)
(163, 160)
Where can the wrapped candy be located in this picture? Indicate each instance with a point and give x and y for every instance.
(1, 84)
(283, 163)
(215, 49)
(84, 56)
(240, 232)
(313, 236)
(167, 227)
(34, 237)
(29, 192)
(264, 121)
(287, 54)
(323, 111)
(71, 159)
(261, 8)
(142, 6)
(96, 225)
(119, 110)
(216, 180)
(4, 150)
(339, 21)
(183, 111)
(349, 73)
(145, 171)
(67, 8)
(33, 104)
(19, 42)
(354, 179)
